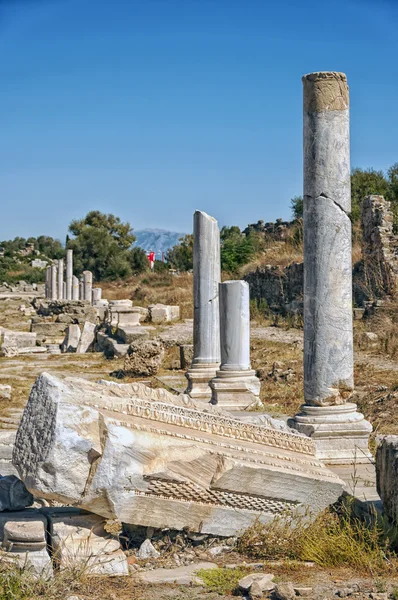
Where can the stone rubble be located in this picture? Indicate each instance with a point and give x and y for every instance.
(144, 358)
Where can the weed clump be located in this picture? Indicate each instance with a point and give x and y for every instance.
(336, 538)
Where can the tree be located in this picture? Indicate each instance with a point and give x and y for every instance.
(50, 247)
(237, 249)
(138, 260)
(297, 207)
(102, 244)
(364, 183)
(180, 256)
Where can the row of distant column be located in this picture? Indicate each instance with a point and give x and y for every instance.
(70, 288)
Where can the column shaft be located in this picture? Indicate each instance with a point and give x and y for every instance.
(69, 274)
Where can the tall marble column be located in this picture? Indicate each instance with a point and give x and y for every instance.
(69, 274)
(206, 277)
(54, 283)
(339, 431)
(235, 385)
(88, 285)
(60, 279)
(75, 288)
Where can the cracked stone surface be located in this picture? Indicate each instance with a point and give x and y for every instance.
(328, 342)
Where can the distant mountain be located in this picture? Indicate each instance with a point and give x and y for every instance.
(157, 240)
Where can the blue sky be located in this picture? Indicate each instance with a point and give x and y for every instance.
(152, 108)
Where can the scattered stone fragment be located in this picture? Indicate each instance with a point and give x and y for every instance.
(87, 338)
(261, 585)
(72, 338)
(144, 358)
(5, 392)
(147, 550)
(264, 582)
(303, 591)
(13, 494)
(284, 591)
(81, 539)
(216, 550)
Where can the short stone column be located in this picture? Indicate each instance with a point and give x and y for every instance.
(88, 286)
(206, 334)
(69, 274)
(97, 294)
(47, 286)
(54, 283)
(81, 290)
(340, 433)
(235, 385)
(60, 279)
(75, 288)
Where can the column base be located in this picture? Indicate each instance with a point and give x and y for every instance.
(236, 390)
(199, 376)
(341, 433)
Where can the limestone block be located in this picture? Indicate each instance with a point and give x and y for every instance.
(72, 339)
(127, 317)
(143, 312)
(17, 339)
(23, 537)
(110, 346)
(81, 540)
(148, 457)
(87, 338)
(13, 494)
(144, 358)
(128, 334)
(47, 330)
(162, 313)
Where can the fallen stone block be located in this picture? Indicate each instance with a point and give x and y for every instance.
(16, 340)
(48, 330)
(72, 339)
(23, 537)
(128, 334)
(80, 540)
(13, 494)
(147, 457)
(111, 347)
(162, 313)
(87, 338)
(144, 358)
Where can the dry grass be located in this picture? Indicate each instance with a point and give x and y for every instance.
(336, 538)
(152, 288)
(279, 394)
